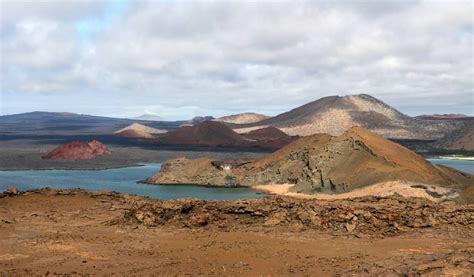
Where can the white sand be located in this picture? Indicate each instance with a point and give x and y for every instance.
(456, 158)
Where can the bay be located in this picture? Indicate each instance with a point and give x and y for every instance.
(122, 180)
(125, 179)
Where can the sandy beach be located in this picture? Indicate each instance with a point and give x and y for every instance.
(456, 158)
(401, 188)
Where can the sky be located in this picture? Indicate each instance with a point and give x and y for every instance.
(180, 59)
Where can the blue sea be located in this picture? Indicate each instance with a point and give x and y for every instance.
(124, 180)
(463, 165)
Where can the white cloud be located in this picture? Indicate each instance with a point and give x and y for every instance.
(216, 58)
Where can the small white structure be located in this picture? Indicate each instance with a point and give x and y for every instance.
(226, 167)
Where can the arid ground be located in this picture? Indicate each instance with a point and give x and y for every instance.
(77, 232)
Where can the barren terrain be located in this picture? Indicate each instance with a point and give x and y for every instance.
(25, 154)
(77, 232)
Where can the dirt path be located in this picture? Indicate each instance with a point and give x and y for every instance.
(68, 233)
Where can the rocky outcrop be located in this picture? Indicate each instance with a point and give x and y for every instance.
(201, 171)
(321, 163)
(368, 216)
(78, 150)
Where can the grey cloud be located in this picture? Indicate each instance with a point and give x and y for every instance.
(188, 57)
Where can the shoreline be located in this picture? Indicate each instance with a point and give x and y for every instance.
(454, 158)
(144, 182)
(79, 169)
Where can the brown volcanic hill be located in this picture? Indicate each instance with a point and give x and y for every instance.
(137, 130)
(444, 117)
(243, 118)
(78, 150)
(335, 114)
(356, 158)
(131, 133)
(267, 133)
(208, 133)
(462, 139)
(269, 137)
(322, 163)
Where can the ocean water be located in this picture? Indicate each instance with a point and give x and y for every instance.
(119, 179)
(124, 180)
(463, 165)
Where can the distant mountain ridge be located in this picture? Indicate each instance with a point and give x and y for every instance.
(332, 115)
(335, 114)
(444, 117)
(63, 123)
(149, 117)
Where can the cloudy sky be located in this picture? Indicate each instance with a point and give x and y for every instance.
(179, 59)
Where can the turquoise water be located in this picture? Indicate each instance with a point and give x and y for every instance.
(118, 179)
(463, 165)
(124, 180)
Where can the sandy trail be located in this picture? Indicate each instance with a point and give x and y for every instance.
(382, 190)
